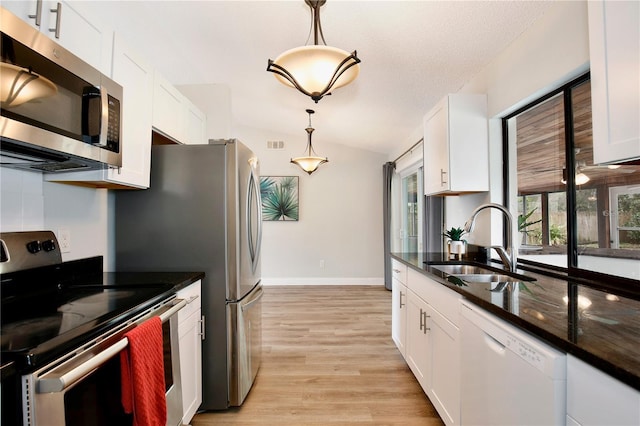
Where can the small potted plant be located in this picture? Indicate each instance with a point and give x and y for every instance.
(456, 243)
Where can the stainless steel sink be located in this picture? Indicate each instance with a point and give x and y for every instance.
(462, 269)
(486, 278)
(478, 274)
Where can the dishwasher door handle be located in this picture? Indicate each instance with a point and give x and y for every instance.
(494, 344)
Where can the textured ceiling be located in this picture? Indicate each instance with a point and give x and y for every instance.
(413, 53)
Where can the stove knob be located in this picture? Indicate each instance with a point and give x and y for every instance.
(48, 245)
(34, 246)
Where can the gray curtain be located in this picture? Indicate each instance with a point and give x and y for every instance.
(387, 171)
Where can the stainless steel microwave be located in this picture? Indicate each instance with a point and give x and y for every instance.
(58, 113)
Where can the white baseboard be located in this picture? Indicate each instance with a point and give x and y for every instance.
(322, 281)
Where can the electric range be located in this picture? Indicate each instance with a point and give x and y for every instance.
(51, 308)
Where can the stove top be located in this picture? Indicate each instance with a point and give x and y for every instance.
(50, 310)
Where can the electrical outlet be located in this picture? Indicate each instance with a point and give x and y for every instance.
(322, 264)
(64, 239)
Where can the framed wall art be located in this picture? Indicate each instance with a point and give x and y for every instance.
(279, 198)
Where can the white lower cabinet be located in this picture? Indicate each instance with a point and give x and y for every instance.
(595, 398)
(190, 342)
(418, 345)
(399, 315)
(433, 343)
(444, 386)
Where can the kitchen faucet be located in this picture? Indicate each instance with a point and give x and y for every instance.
(509, 260)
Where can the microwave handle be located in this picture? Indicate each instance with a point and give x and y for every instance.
(58, 383)
(104, 117)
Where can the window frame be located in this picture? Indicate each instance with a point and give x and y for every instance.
(613, 281)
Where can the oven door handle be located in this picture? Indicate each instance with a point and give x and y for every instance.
(57, 381)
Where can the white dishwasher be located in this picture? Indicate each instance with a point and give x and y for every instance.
(508, 376)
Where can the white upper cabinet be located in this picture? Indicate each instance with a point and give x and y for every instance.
(456, 146)
(196, 124)
(70, 26)
(136, 77)
(168, 112)
(174, 115)
(614, 45)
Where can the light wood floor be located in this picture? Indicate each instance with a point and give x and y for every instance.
(328, 358)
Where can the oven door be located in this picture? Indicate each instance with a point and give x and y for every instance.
(84, 388)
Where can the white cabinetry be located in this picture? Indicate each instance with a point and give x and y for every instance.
(136, 77)
(174, 115)
(433, 343)
(190, 330)
(456, 147)
(418, 340)
(195, 125)
(595, 398)
(614, 46)
(399, 305)
(70, 26)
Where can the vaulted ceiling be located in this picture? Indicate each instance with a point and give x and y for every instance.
(413, 53)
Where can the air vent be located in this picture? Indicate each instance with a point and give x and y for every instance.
(275, 144)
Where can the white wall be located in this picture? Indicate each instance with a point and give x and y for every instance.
(340, 216)
(27, 204)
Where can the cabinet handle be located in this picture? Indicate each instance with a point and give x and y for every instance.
(422, 322)
(423, 315)
(397, 271)
(192, 298)
(401, 304)
(58, 12)
(38, 16)
(443, 181)
(201, 321)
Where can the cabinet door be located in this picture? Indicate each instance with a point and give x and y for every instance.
(399, 315)
(190, 365)
(614, 46)
(168, 109)
(589, 391)
(196, 123)
(136, 77)
(436, 149)
(190, 343)
(444, 385)
(418, 339)
(456, 145)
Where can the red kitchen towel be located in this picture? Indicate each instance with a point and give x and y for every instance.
(142, 370)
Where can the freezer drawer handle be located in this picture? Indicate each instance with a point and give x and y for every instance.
(256, 299)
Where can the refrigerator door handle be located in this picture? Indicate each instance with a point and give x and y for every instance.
(253, 195)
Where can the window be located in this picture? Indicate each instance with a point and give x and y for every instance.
(411, 228)
(587, 219)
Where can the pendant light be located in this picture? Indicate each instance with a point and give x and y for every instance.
(19, 85)
(311, 162)
(317, 69)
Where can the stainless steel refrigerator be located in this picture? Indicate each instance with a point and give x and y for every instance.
(203, 213)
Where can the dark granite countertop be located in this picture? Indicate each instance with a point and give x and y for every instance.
(598, 326)
(173, 281)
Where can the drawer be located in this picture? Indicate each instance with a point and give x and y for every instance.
(399, 271)
(193, 296)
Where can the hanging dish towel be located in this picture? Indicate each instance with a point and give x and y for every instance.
(142, 370)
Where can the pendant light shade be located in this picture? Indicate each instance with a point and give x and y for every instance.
(19, 85)
(317, 69)
(311, 161)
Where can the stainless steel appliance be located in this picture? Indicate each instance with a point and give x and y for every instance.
(63, 325)
(58, 112)
(203, 212)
